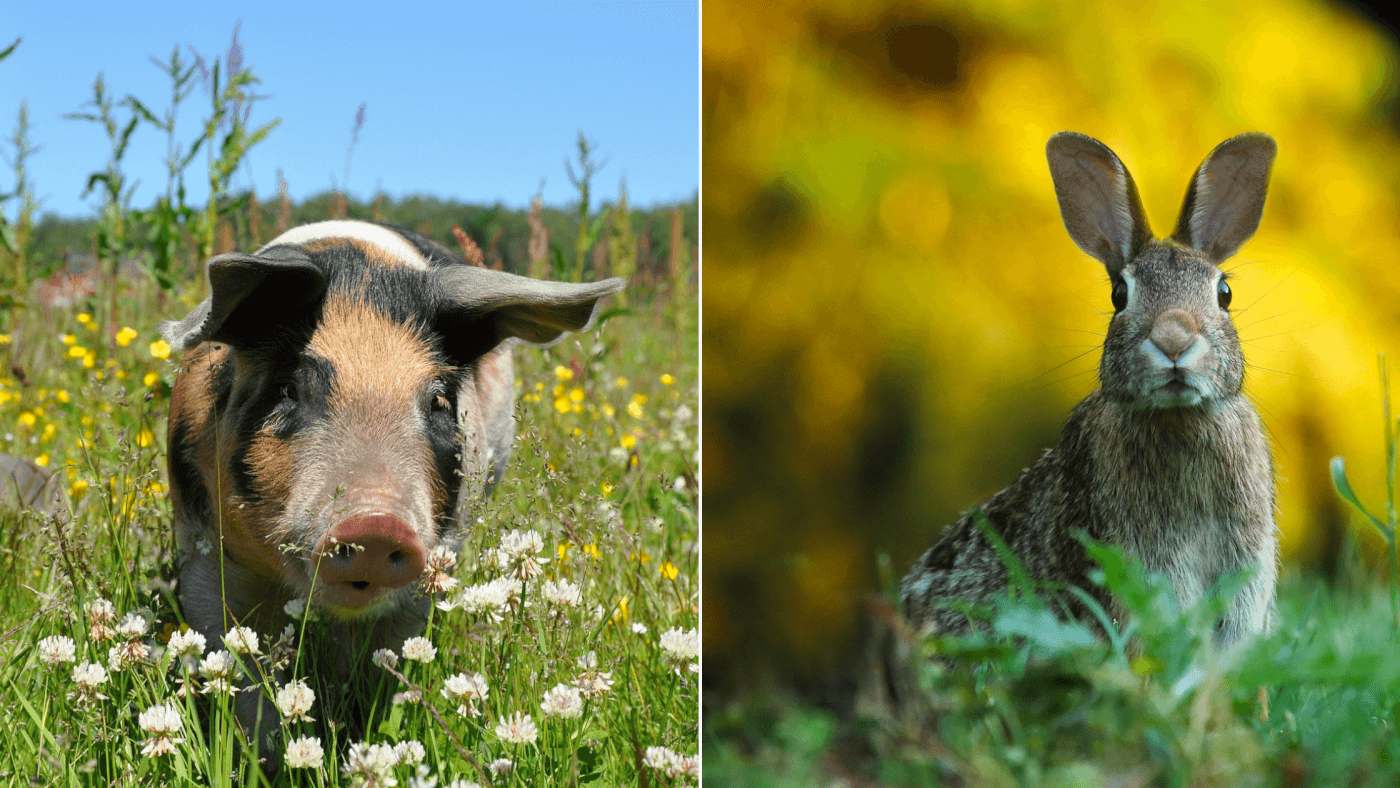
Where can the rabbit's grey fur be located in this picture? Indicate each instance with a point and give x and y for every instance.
(1166, 460)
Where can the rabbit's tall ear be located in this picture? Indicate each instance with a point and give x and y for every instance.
(1098, 200)
(1226, 196)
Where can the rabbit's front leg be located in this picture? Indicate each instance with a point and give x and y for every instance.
(1252, 611)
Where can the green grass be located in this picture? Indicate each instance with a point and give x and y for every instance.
(1056, 706)
(604, 469)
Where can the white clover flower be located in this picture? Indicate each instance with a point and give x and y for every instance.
(687, 766)
(519, 554)
(241, 640)
(186, 646)
(218, 668)
(160, 722)
(294, 609)
(491, 598)
(681, 645)
(89, 675)
(295, 700)
(516, 729)
(467, 688)
(461, 783)
(133, 625)
(662, 759)
(563, 701)
(411, 696)
(370, 764)
(384, 657)
(57, 650)
(437, 571)
(683, 414)
(100, 611)
(518, 544)
(100, 617)
(562, 593)
(501, 766)
(639, 627)
(589, 661)
(305, 753)
(409, 752)
(123, 656)
(419, 650)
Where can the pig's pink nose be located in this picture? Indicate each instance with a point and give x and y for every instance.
(366, 555)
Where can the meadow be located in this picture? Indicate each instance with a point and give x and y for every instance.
(574, 663)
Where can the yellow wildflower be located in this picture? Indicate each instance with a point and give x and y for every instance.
(562, 551)
(563, 405)
(578, 432)
(77, 351)
(5, 396)
(539, 386)
(84, 318)
(666, 379)
(144, 438)
(27, 419)
(591, 550)
(42, 460)
(48, 432)
(622, 383)
(635, 408)
(668, 570)
(160, 349)
(62, 396)
(68, 339)
(4, 339)
(121, 374)
(564, 373)
(150, 378)
(607, 488)
(621, 613)
(640, 557)
(640, 399)
(576, 394)
(90, 360)
(125, 336)
(629, 440)
(77, 489)
(576, 408)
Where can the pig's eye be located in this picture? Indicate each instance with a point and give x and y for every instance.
(290, 393)
(440, 403)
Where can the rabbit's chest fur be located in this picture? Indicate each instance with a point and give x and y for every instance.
(1188, 492)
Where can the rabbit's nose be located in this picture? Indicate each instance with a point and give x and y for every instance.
(1174, 331)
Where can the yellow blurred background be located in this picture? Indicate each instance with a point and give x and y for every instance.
(896, 323)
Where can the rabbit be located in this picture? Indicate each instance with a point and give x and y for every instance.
(1167, 459)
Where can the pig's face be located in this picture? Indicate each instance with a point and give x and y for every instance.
(349, 406)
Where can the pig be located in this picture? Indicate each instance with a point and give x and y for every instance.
(345, 395)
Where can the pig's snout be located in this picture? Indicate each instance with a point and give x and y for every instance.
(365, 557)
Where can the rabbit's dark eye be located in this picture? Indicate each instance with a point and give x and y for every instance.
(1120, 296)
(1222, 294)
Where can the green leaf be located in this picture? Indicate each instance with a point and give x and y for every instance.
(1339, 481)
(6, 52)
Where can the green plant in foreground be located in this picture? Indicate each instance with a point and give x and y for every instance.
(1387, 527)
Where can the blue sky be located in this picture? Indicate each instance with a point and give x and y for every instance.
(470, 101)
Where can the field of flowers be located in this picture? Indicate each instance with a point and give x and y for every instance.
(562, 650)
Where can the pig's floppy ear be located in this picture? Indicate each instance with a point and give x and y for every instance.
(481, 308)
(247, 293)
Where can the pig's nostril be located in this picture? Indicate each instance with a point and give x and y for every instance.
(396, 557)
(359, 585)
